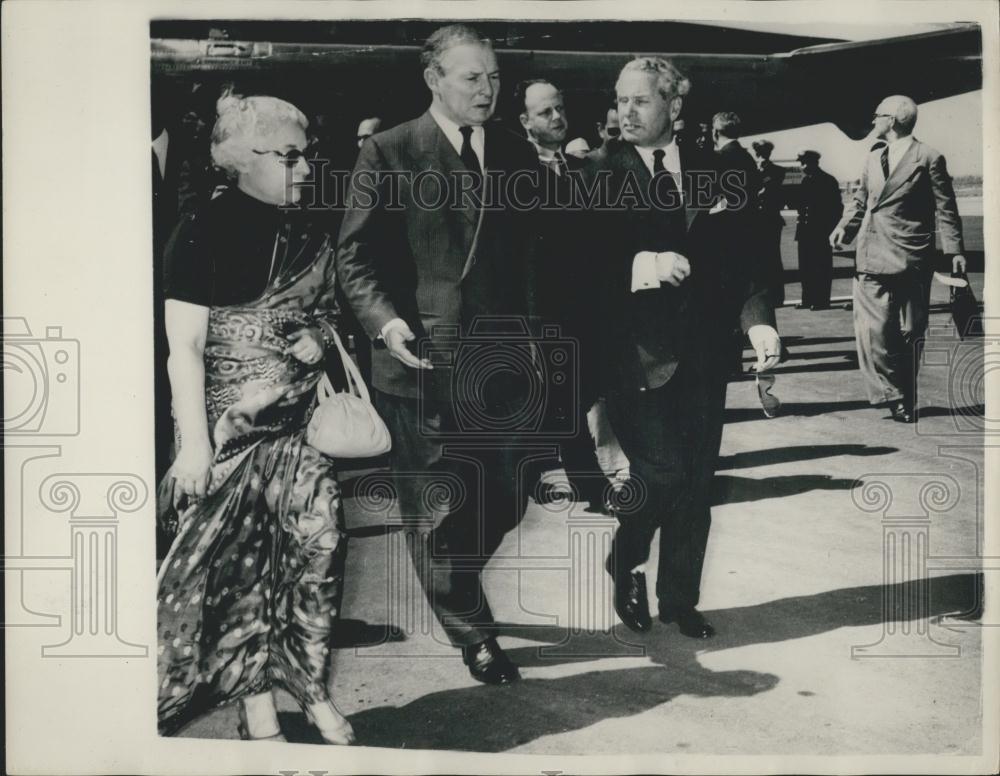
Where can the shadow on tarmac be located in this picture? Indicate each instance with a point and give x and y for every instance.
(805, 409)
(497, 719)
(727, 489)
(779, 455)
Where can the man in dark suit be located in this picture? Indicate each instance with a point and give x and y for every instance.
(770, 201)
(561, 280)
(421, 271)
(819, 205)
(905, 197)
(726, 137)
(733, 156)
(674, 280)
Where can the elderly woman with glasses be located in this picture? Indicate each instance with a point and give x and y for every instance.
(251, 587)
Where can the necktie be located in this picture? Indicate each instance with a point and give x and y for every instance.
(469, 158)
(658, 155)
(561, 167)
(658, 167)
(885, 162)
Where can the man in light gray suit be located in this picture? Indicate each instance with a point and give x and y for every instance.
(905, 188)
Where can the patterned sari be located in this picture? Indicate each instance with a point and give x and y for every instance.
(250, 589)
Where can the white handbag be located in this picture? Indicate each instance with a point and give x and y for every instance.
(346, 425)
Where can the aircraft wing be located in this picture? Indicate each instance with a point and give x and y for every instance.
(838, 82)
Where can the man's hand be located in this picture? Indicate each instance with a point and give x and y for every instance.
(837, 238)
(672, 268)
(958, 263)
(396, 335)
(767, 344)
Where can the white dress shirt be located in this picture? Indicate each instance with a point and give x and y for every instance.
(897, 148)
(550, 158)
(453, 132)
(160, 149)
(647, 265)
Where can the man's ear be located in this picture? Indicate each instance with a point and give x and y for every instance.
(675, 107)
(431, 77)
(524, 122)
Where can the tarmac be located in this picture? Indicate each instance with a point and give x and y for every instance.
(842, 576)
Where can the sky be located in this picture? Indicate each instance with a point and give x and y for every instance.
(954, 125)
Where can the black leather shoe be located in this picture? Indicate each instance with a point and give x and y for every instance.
(690, 621)
(489, 664)
(631, 601)
(902, 412)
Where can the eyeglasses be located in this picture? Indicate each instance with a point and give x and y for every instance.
(288, 158)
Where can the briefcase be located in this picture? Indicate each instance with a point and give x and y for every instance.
(965, 309)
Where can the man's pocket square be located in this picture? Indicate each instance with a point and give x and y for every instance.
(719, 206)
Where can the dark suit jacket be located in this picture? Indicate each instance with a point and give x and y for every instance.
(895, 219)
(645, 334)
(402, 258)
(733, 156)
(819, 205)
(770, 197)
(564, 293)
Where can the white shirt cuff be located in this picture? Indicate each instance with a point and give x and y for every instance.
(391, 324)
(644, 274)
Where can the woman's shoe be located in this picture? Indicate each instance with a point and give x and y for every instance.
(258, 719)
(331, 724)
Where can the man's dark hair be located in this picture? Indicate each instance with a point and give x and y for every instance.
(445, 38)
(521, 91)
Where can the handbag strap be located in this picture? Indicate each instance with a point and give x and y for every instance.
(355, 383)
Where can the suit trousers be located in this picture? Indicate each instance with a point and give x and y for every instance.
(671, 436)
(578, 456)
(890, 318)
(774, 269)
(458, 496)
(815, 268)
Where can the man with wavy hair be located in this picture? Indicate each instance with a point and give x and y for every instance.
(674, 280)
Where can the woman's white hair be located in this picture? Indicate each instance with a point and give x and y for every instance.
(244, 123)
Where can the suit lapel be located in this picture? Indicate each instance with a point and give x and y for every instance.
(902, 171)
(688, 171)
(438, 153)
(632, 162)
